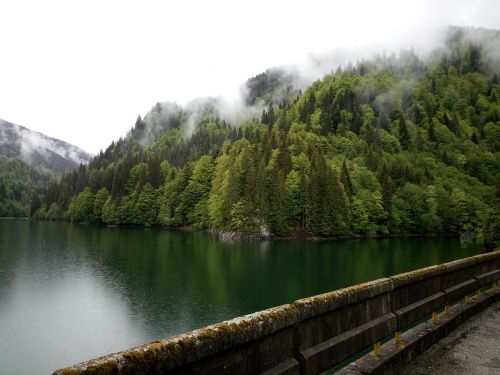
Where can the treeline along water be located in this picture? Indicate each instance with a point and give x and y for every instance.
(69, 292)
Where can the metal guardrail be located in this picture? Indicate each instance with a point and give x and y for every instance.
(310, 335)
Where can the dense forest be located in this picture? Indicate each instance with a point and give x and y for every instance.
(18, 184)
(388, 145)
(29, 160)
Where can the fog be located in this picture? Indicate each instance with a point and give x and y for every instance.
(38, 150)
(83, 72)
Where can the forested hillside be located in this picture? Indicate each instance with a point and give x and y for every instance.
(18, 183)
(390, 145)
(28, 162)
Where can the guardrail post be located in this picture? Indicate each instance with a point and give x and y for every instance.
(397, 337)
(435, 317)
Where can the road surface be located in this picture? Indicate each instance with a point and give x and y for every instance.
(472, 348)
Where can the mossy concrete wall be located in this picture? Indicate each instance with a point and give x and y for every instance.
(395, 356)
(310, 335)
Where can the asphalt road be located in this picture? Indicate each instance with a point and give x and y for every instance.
(473, 348)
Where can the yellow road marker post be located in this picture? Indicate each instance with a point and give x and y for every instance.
(377, 349)
(397, 337)
(435, 317)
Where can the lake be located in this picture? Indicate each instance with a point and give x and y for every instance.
(69, 293)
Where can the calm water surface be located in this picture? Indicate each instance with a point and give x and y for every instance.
(69, 293)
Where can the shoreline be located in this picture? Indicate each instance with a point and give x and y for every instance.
(236, 236)
(228, 236)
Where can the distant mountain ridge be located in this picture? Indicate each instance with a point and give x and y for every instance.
(41, 152)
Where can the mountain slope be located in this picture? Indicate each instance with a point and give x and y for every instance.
(39, 151)
(390, 145)
(28, 161)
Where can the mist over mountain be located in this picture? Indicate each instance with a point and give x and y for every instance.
(28, 162)
(279, 83)
(396, 143)
(42, 153)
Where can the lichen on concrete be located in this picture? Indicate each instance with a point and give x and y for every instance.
(460, 264)
(195, 345)
(323, 303)
(487, 256)
(417, 275)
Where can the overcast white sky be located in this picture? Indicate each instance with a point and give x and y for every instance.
(81, 71)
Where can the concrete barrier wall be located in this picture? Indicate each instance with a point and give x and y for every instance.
(310, 335)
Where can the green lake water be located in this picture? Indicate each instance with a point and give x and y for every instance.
(69, 293)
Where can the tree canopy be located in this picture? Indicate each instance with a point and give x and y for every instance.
(397, 146)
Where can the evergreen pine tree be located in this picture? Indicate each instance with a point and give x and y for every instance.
(270, 115)
(362, 70)
(283, 124)
(446, 120)
(308, 108)
(327, 118)
(154, 171)
(338, 209)
(474, 138)
(454, 124)
(278, 204)
(432, 133)
(263, 117)
(404, 136)
(35, 200)
(386, 185)
(383, 121)
(371, 159)
(345, 178)
(433, 85)
(445, 158)
(326, 210)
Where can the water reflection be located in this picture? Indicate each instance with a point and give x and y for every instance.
(68, 293)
